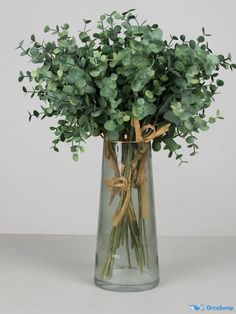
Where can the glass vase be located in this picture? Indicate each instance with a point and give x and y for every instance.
(126, 253)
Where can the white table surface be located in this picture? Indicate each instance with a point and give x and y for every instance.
(53, 274)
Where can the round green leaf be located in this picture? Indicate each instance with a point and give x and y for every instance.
(90, 89)
(149, 94)
(179, 66)
(126, 118)
(66, 26)
(68, 89)
(156, 145)
(75, 157)
(60, 73)
(220, 82)
(96, 113)
(201, 39)
(192, 44)
(94, 73)
(49, 110)
(81, 83)
(110, 125)
(106, 49)
(46, 29)
(190, 139)
(57, 50)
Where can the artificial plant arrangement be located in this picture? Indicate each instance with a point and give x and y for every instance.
(125, 83)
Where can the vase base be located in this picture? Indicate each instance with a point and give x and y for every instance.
(130, 283)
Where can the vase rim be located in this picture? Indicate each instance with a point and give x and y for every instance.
(125, 142)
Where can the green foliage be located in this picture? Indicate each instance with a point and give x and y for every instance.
(122, 71)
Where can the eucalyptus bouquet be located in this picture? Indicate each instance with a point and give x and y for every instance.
(125, 83)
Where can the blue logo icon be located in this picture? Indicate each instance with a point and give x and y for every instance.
(195, 307)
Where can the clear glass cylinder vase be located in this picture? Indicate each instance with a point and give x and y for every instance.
(126, 253)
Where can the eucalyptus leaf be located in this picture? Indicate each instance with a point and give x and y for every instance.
(98, 83)
(110, 125)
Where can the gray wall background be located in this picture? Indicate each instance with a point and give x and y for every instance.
(45, 192)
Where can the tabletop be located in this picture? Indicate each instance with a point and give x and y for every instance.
(53, 274)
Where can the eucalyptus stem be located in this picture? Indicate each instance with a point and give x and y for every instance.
(145, 241)
(129, 231)
(126, 232)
